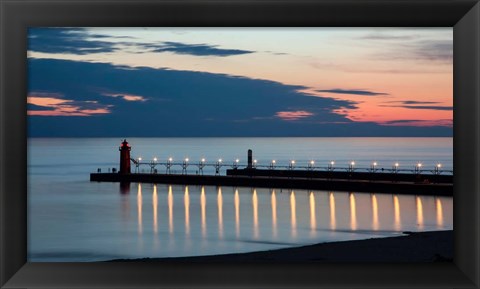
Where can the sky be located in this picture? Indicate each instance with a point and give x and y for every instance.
(245, 82)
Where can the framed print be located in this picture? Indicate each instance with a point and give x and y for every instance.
(239, 144)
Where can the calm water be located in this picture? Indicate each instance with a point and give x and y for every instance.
(71, 219)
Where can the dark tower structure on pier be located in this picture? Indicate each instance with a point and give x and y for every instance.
(124, 157)
(250, 161)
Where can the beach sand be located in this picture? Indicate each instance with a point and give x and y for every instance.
(433, 246)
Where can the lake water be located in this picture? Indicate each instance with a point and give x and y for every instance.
(73, 219)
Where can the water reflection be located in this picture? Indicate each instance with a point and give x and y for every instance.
(439, 209)
(187, 210)
(293, 214)
(333, 220)
(375, 222)
(124, 188)
(220, 212)
(396, 212)
(274, 213)
(237, 213)
(170, 209)
(203, 211)
(348, 212)
(419, 206)
(139, 209)
(313, 219)
(155, 208)
(353, 212)
(255, 213)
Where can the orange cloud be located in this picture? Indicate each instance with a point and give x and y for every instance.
(293, 115)
(50, 104)
(127, 97)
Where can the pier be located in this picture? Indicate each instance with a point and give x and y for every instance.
(419, 181)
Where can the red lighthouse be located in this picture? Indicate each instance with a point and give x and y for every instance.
(124, 157)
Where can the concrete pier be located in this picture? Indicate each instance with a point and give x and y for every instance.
(337, 184)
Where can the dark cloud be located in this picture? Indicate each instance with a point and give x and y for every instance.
(432, 51)
(420, 122)
(431, 107)
(79, 41)
(435, 50)
(194, 49)
(355, 92)
(408, 102)
(188, 103)
(67, 40)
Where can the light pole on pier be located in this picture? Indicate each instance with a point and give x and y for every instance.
(152, 165)
(169, 164)
(184, 166)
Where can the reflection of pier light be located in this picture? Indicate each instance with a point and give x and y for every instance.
(139, 208)
(418, 202)
(375, 212)
(237, 213)
(396, 210)
(155, 208)
(203, 206)
(170, 209)
(220, 212)
(293, 213)
(313, 219)
(255, 213)
(353, 212)
(187, 210)
(274, 213)
(333, 220)
(439, 209)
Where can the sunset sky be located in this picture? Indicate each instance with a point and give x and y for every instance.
(240, 82)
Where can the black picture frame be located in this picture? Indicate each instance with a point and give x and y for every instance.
(16, 16)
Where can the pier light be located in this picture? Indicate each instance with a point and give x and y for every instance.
(350, 167)
(330, 165)
(203, 160)
(292, 164)
(418, 167)
(219, 160)
(154, 159)
(235, 164)
(170, 159)
(396, 165)
(312, 162)
(272, 164)
(184, 166)
(374, 164)
(439, 165)
(139, 159)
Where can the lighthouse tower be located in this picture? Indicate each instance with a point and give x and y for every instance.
(124, 157)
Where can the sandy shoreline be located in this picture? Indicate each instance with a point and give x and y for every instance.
(433, 246)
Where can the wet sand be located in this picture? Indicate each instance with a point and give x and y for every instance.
(433, 246)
